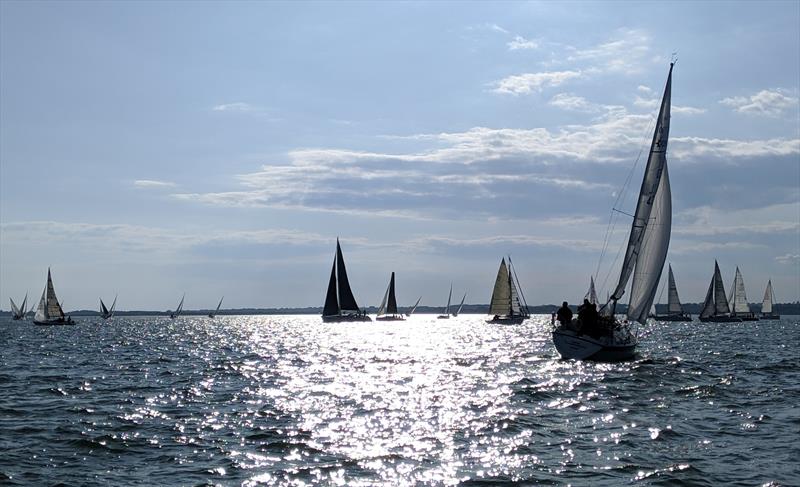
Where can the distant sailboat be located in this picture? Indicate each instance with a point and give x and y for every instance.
(179, 309)
(18, 313)
(715, 307)
(49, 311)
(388, 308)
(214, 313)
(415, 307)
(591, 294)
(607, 338)
(674, 308)
(767, 312)
(506, 305)
(340, 304)
(458, 311)
(446, 314)
(106, 313)
(739, 307)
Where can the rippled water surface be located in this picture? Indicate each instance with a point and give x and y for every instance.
(288, 400)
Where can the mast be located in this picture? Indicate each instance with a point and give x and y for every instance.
(651, 183)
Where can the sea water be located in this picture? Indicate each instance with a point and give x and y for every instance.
(289, 400)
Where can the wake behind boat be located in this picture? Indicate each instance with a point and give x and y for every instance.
(604, 337)
(387, 311)
(506, 305)
(49, 311)
(340, 304)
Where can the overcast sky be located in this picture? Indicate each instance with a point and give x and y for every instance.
(152, 148)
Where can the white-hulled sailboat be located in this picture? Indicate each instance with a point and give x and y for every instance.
(49, 311)
(214, 313)
(19, 312)
(387, 311)
(460, 306)
(715, 307)
(609, 339)
(179, 309)
(507, 305)
(106, 313)
(340, 304)
(767, 313)
(446, 314)
(414, 308)
(674, 308)
(739, 307)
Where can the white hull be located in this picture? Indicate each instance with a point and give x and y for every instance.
(572, 346)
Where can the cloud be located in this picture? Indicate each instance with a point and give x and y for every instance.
(696, 148)
(654, 103)
(770, 103)
(520, 84)
(625, 52)
(488, 26)
(687, 110)
(152, 184)
(789, 259)
(709, 221)
(234, 107)
(521, 43)
(569, 101)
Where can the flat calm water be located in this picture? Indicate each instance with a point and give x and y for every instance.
(288, 400)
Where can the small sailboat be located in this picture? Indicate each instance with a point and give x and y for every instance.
(340, 304)
(715, 307)
(767, 312)
(214, 313)
(179, 309)
(49, 311)
(106, 313)
(674, 308)
(414, 308)
(388, 308)
(739, 307)
(461, 305)
(591, 294)
(604, 337)
(446, 314)
(18, 312)
(506, 305)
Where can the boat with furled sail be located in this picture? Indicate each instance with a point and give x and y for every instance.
(715, 306)
(49, 311)
(507, 304)
(767, 312)
(340, 304)
(603, 336)
(387, 311)
(674, 308)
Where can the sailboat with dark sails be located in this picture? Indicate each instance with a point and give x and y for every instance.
(214, 313)
(767, 312)
(387, 311)
(19, 312)
(340, 304)
(608, 338)
(715, 307)
(106, 313)
(507, 304)
(179, 309)
(739, 307)
(674, 308)
(49, 311)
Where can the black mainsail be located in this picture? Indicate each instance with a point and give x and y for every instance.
(340, 304)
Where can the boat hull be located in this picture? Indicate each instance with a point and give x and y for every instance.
(53, 323)
(345, 318)
(720, 319)
(570, 345)
(770, 317)
(443, 317)
(390, 318)
(683, 318)
(507, 320)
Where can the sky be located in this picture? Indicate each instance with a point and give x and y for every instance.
(151, 149)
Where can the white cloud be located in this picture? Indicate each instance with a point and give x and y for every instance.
(569, 101)
(521, 43)
(766, 102)
(644, 89)
(234, 107)
(625, 52)
(152, 183)
(520, 84)
(731, 149)
(790, 259)
(709, 221)
(654, 103)
(687, 110)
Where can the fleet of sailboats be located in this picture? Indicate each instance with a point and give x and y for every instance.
(674, 308)
(715, 307)
(507, 304)
(388, 308)
(49, 311)
(19, 312)
(340, 304)
(645, 255)
(106, 313)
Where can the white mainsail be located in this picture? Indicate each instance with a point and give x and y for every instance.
(650, 231)
(591, 294)
(766, 305)
(49, 309)
(739, 301)
(500, 303)
(716, 303)
(673, 301)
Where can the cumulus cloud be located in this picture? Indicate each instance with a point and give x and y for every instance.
(153, 184)
(521, 43)
(520, 84)
(766, 102)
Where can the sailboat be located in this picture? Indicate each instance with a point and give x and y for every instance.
(49, 311)
(674, 308)
(414, 308)
(505, 304)
(609, 339)
(18, 313)
(214, 313)
(715, 306)
(739, 307)
(446, 314)
(458, 311)
(766, 306)
(340, 304)
(388, 308)
(106, 313)
(591, 294)
(179, 309)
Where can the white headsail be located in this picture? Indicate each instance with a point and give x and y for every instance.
(673, 301)
(739, 301)
(766, 305)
